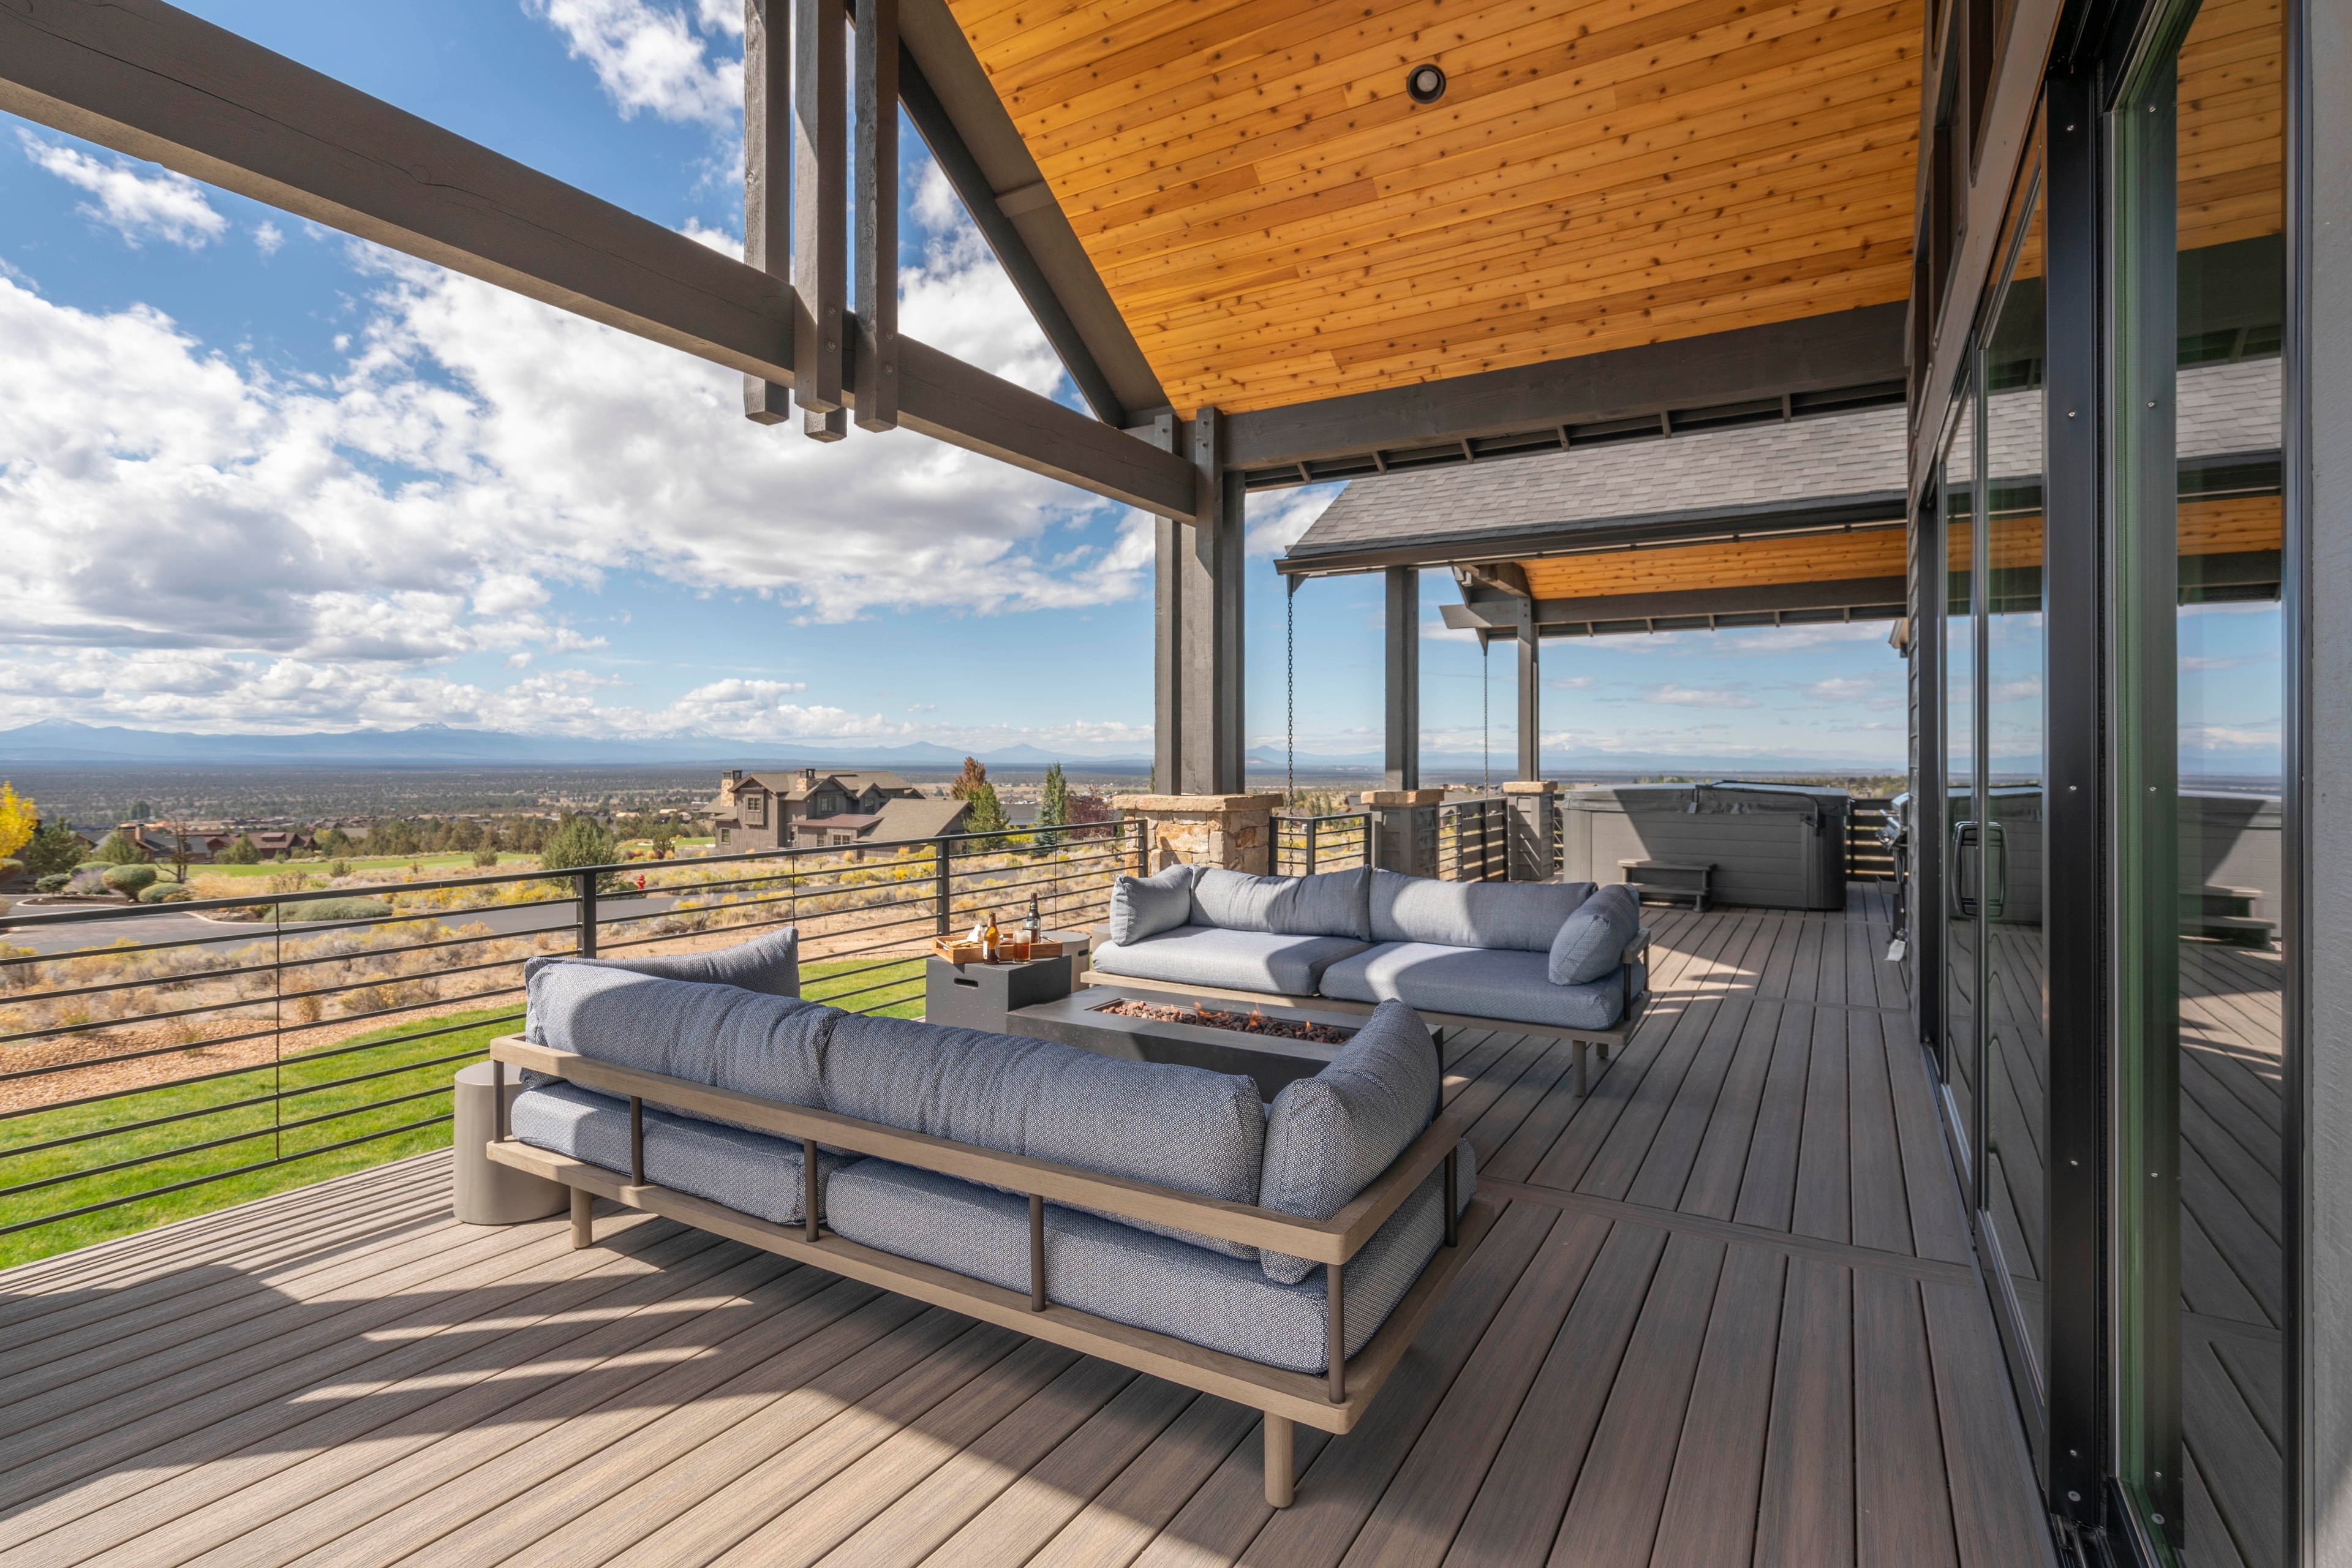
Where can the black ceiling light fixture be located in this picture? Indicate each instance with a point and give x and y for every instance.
(1424, 84)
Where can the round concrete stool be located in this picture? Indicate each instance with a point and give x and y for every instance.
(489, 1194)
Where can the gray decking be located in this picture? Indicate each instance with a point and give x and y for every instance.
(1728, 1316)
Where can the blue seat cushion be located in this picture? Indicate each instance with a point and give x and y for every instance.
(1522, 916)
(1130, 1276)
(1327, 1136)
(1228, 959)
(771, 1046)
(1477, 982)
(769, 963)
(731, 1165)
(1182, 1128)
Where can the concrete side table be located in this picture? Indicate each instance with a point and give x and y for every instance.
(488, 1194)
(980, 995)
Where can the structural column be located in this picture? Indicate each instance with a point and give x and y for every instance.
(1530, 698)
(1233, 831)
(1198, 732)
(1404, 829)
(1403, 664)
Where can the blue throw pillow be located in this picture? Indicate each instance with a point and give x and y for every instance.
(770, 964)
(1592, 941)
(1327, 1136)
(1146, 906)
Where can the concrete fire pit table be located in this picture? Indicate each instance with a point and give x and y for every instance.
(1273, 1060)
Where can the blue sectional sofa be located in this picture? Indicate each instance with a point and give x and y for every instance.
(1567, 959)
(1145, 1209)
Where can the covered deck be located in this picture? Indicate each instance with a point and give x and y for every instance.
(1728, 1315)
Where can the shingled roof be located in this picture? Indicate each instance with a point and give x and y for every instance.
(1840, 467)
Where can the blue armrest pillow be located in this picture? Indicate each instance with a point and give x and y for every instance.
(770, 964)
(1146, 906)
(1592, 941)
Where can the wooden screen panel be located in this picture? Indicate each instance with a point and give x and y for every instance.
(1277, 220)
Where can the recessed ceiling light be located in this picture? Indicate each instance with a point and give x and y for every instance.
(1424, 84)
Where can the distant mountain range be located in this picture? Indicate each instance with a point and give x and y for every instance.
(441, 746)
(62, 741)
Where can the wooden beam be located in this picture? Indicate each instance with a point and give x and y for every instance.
(1499, 615)
(1796, 359)
(877, 391)
(821, 212)
(151, 80)
(767, 175)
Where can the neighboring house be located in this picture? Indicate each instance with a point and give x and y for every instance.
(210, 840)
(809, 810)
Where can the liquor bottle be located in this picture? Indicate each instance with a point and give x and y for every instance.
(988, 941)
(1030, 930)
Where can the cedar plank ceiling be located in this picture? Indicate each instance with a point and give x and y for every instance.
(1278, 221)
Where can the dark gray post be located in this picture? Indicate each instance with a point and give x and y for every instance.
(820, 211)
(586, 881)
(1403, 649)
(2318, 601)
(1209, 628)
(941, 892)
(1530, 700)
(878, 215)
(767, 173)
(1170, 545)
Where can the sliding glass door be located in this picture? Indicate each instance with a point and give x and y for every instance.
(2198, 1224)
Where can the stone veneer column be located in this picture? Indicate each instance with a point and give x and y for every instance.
(1234, 831)
(1534, 809)
(1404, 829)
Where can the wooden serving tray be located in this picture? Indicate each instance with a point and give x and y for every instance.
(1009, 950)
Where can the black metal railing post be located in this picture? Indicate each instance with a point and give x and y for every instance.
(942, 892)
(587, 939)
(1312, 859)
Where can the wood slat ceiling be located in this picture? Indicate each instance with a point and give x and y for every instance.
(1278, 221)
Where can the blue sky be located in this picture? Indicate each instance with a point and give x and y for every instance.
(267, 478)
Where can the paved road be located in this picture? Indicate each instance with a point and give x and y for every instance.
(166, 924)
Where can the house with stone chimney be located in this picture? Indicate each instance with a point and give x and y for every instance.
(811, 809)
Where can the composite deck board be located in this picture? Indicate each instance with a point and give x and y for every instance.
(1727, 1315)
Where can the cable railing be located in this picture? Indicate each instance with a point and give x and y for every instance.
(1474, 839)
(159, 1059)
(1306, 843)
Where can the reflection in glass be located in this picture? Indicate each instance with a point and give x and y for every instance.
(1963, 863)
(2201, 290)
(2016, 1056)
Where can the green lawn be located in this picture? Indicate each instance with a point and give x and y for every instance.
(455, 865)
(408, 1065)
(888, 987)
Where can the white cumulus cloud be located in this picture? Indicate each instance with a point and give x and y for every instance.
(652, 56)
(139, 202)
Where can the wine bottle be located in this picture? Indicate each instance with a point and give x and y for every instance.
(1031, 930)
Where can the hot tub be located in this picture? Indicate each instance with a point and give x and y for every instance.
(1774, 847)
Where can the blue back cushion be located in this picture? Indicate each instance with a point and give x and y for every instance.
(1519, 916)
(1146, 906)
(769, 963)
(772, 1046)
(1183, 1127)
(1592, 941)
(1327, 1136)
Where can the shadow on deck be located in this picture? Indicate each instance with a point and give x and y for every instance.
(1728, 1315)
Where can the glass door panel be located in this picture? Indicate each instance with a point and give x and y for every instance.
(2016, 1055)
(2200, 1212)
(1963, 838)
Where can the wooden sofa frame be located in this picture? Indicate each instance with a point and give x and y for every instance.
(1581, 1040)
(1333, 1402)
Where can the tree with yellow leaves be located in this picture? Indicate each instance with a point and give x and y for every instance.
(19, 817)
